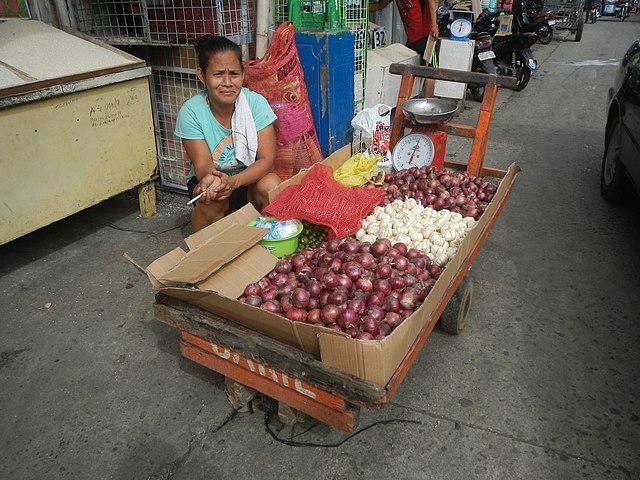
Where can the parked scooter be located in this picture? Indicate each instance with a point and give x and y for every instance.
(512, 52)
(593, 14)
(529, 17)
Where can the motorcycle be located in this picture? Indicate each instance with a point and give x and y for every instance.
(592, 14)
(509, 54)
(624, 11)
(529, 17)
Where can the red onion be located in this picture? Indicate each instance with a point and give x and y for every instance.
(252, 289)
(350, 245)
(338, 297)
(334, 264)
(409, 298)
(300, 298)
(384, 270)
(401, 263)
(353, 270)
(391, 304)
(336, 327)
(370, 325)
(329, 314)
(313, 317)
(324, 297)
(298, 260)
(382, 285)
(379, 248)
(435, 270)
(385, 330)
(400, 247)
(348, 318)
(333, 245)
(330, 280)
(352, 331)
(364, 284)
(366, 260)
(269, 293)
(296, 314)
(393, 319)
(375, 312)
(344, 281)
(356, 305)
(283, 266)
(314, 287)
(279, 279)
(272, 306)
(313, 303)
(253, 300)
(376, 298)
(286, 303)
(397, 283)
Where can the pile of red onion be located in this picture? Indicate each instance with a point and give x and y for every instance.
(365, 290)
(455, 191)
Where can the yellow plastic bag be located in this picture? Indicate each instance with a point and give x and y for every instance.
(358, 170)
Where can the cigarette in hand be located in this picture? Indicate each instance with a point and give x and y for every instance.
(196, 197)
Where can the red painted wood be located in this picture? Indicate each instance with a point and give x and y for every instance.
(295, 398)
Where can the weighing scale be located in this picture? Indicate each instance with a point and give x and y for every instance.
(420, 148)
(461, 24)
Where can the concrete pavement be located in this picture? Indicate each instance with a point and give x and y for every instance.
(541, 384)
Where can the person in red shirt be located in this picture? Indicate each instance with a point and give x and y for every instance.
(418, 18)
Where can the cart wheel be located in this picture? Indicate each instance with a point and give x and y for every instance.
(454, 318)
(579, 28)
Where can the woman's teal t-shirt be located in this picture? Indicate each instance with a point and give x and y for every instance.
(196, 122)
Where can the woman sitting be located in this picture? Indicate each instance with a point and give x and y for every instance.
(227, 132)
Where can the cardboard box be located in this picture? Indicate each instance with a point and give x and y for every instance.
(382, 86)
(504, 25)
(229, 249)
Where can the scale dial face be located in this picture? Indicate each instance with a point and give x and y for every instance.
(413, 150)
(460, 28)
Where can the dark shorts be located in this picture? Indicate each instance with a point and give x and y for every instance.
(418, 47)
(238, 198)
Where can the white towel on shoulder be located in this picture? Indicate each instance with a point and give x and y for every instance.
(243, 128)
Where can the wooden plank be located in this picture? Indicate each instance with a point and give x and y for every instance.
(147, 199)
(280, 378)
(268, 352)
(474, 78)
(342, 420)
(54, 82)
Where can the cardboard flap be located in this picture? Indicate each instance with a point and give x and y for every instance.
(243, 217)
(233, 277)
(162, 264)
(205, 260)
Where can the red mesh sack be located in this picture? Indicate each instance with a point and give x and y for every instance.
(321, 200)
(278, 76)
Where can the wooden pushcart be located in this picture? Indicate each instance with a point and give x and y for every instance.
(300, 380)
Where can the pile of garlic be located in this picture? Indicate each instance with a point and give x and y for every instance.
(435, 233)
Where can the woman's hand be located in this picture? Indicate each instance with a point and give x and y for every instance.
(226, 185)
(208, 184)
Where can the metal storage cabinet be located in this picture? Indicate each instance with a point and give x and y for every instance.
(327, 60)
(76, 126)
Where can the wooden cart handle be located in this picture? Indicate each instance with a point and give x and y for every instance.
(479, 133)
